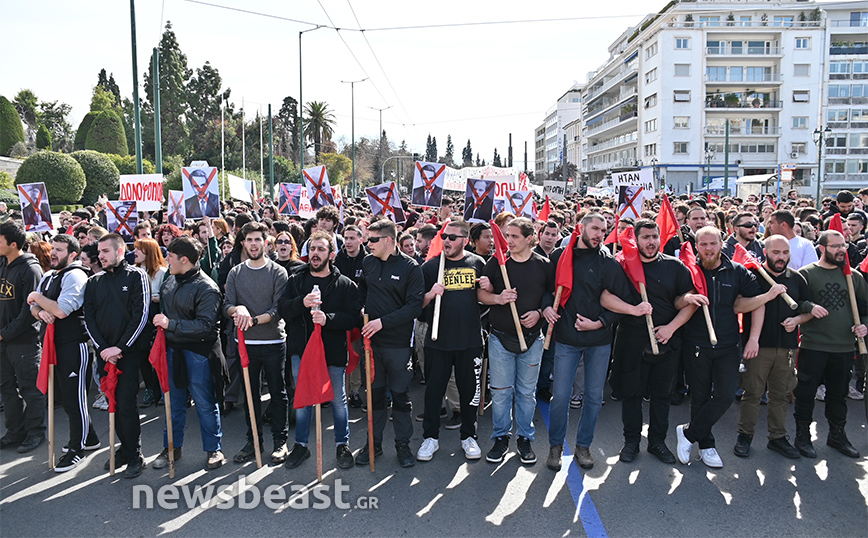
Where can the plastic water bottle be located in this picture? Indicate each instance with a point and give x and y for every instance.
(318, 296)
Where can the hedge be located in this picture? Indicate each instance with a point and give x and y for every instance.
(127, 164)
(63, 176)
(101, 173)
(11, 129)
(83, 128)
(43, 138)
(107, 134)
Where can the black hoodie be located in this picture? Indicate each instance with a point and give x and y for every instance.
(17, 280)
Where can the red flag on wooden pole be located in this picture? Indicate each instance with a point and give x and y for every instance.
(158, 359)
(314, 386)
(49, 357)
(545, 211)
(629, 258)
(666, 221)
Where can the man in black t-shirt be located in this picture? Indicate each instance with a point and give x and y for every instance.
(514, 373)
(459, 341)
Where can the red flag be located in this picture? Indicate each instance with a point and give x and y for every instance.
(500, 246)
(545, 211)
(564, 271)
(666, 221)
(836, 224)
(629, 258)
(159, 360)
(353, 361)
(613, 236)
(436, 246)
(108, 383)
(689, 258)
(742, 256)
(368, 349)
(242, 350)
(864, 266)
(313, 386)
(49, 357)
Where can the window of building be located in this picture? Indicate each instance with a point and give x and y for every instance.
(803, 43)
(801, 96)
(835, 167)
(837, 141)
(744, 20)
(650, 150)
(802, 70)
(736, 73)
(839, 68)
(800, 148)
(714, 74)
(682, 70)
(783, 21)
(651, 50)
(837, 114)
(682, 42)
(800, 122)
(859, 140)
(859, 18)
(859, 90)
(839, 90)
(651, 101)
(859, 114)
(860, 67)
(857, 166)
(758, 74)
(651, 76)
(681, 148)
(682, 96)
(651, 126)
(709, 21)
(682, 122)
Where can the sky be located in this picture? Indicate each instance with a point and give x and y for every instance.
(477, 82)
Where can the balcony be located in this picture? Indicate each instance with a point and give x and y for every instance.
(623, 118)
(846, 23)
(740, 130)
(740, 79)
(743, 51)
(609, 144)
(722, 103)
(848, 49)
(745, 24)
(616, 76)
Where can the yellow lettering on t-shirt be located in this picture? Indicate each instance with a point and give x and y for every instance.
(459, 278)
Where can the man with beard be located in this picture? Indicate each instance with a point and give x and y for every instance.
(671, 303)
(828, 345)
(745, 225)
(712, 371)
(583, 331)
(253, 289)
(697, 217)
(336, 309)
(770, 353)
(58, 300)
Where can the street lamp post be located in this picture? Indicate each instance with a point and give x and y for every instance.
(654, 163)
(380, 110)
(709, 154)
(301, 101)
(820, 135)
(352, 84)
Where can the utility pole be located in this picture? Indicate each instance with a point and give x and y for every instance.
(270, 155)
(301, 101)
(158, 139)
(382, 170)
(352, 84)
(136, 90)
(525, 156)
(726, 162)
(509, 157)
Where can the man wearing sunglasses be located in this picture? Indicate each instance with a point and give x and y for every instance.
(459, 342)
(746, 226)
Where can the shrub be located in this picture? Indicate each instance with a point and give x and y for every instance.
(107, 134)
(63, 176)
(11, 129)
(6, 180)
(19, 151)
(83, 128)
(101, 173)
(127, 164)
(43, 138)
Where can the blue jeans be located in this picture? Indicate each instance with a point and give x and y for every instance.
(201, 388)
(513, 375)
(596, 360)
(339, 407)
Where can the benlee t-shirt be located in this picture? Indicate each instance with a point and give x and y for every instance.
(460, 326)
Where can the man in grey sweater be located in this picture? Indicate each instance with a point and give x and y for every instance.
(253, 289)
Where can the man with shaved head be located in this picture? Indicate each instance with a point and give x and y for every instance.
(770, 352)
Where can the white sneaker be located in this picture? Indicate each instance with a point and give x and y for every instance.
(471, 449)
(684, 446)
(101, 402)
(821, 393)
(428, 448)
(855, 394)
(711, 458)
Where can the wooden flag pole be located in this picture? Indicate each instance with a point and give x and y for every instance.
(111, 443)
(318, 443)
(512, 307)
(170, 434)
(787, 299)
(551, 328)
(252, 417)
(435, 325)
(368, 360)
(51, 417)
(855, 310)
(712, 336)
(648, 321)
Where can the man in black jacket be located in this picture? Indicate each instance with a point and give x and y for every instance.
(116, 304)
(20, 348)
(349, 262)
(191, 305)
(336, 308)
(392, 295)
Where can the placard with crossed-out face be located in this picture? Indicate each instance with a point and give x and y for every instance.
(520, 203)
(289, 199)
(121, 218)
(176, 214)
(35, 210)
(384, 200)
(428, 181)
(201, 195)
(479, 200)
(319, 191)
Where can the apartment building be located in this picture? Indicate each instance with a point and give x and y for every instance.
(567, 109)
(539, 150)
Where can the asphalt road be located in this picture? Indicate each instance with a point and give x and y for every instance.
(763, 495)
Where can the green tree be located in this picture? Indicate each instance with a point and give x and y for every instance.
(450, 151)
(126, 165)
(102, 100)
(338, 167)
(54, 117)
(203, 105)
(83, 128)
(101, 173)
(106, 134)
(43, 138)
(318, 125)
(27, 106)
(11, 130)
(174, 99)
(496, 160)
(108, 84)
(285, 129)
(285, 171)
(467, 154)
(63, 176)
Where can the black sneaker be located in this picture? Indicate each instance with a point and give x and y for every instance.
(544, 395)
(782, 446)
(345, 457)
(89, 444)
(119, 462)
(68, 462)
(525, 451)
(364, 455)
(742, 445)
(405, 455)
(299, 454)
(628, 453)
(247, 452)
(30, 443)
(454, 421)
(355, 400)
(135, 467)
(499, 450)
(7, 441)
(662, 452)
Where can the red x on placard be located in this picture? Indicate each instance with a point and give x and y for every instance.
(122, 221)
(288, 201)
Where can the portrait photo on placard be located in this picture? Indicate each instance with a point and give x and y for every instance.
(428, 180)
(479, 200)
(35, 209)
(201, 192)
(384, 200)
(121, 219)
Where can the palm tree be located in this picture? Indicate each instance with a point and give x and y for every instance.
(319, 125)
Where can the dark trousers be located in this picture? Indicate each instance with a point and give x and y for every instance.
(546, 366)
(24, 405)
(713, 378)
(393, 369)
(73, 374)
(813, 366)
(641, 373)
(127, 424)
(268, 359)
(438, 368)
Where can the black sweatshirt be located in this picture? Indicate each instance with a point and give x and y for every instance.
(392, 292)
